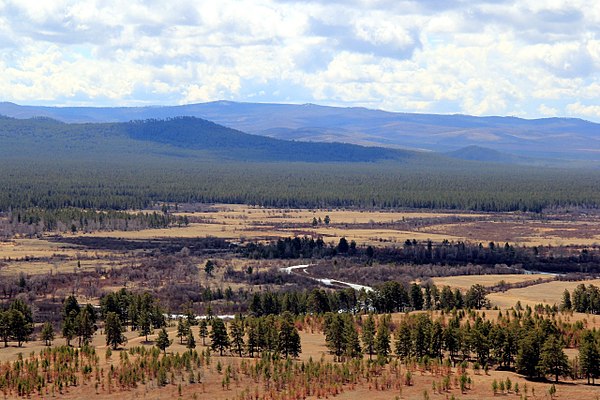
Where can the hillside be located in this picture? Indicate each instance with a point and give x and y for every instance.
(176, 137)
(550, 138)
(484, 154)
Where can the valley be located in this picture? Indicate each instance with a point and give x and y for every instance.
(129, 236)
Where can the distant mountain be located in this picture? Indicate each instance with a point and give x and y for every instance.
(549, 138)
(484, 154)
(188, 137)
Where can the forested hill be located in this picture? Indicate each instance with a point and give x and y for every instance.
(554, 140)
(186, 137)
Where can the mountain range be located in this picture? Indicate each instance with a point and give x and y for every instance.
(511, 140)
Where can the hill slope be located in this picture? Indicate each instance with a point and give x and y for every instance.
(559, 138)
(176, 137)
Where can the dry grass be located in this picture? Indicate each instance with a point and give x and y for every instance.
(464, 282)
(545, 293)
(527, 232)
(313, 345)
(239, 222)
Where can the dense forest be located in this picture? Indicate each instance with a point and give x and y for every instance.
(120, 185)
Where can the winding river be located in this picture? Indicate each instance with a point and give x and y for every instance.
(325, 281)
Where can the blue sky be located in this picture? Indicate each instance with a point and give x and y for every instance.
(526, 58)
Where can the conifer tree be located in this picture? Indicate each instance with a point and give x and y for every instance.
(190, 341)
(20, 328)
(144, 324)
(334, 334)
(182, 329)
(203, 330)
(352, 349)
(368, 335)
(404, 346)
(589, 357)
(163, 341)
(252, 344)
(289, 339)
(70, 312)
(113, 330)
(553, 360)
(382, 339)
(218, 336)
(4, 327)
(237, 335)
(47, 334)
(85, 324)
(566, 301)
(416, 297)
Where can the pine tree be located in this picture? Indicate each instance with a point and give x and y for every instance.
(368, 335)
(218, 336)
(334, 334)
(416, 297)
(237, 335)
(70, 312)
(553, 360)
(191, 341)
(382, 339)
(476, 297)
(404, 346)
(352, 349)
(20, 328)
(69, 327)
(85, 324)
(209, 267)
(113, 330)
(566, 301)
(528, 356)
(47, 334)
(252, 345)
(203, 330)
(589, 357)
(4, 327)
(144, 324)
(182, 329)
(163, 341)
(289, 339)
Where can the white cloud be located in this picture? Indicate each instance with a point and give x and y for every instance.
(526, 58)
(547, 110)
(578, 109)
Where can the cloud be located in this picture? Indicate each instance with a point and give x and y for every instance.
(525, 58)
(578, 109)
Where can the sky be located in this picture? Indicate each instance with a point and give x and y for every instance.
(526, 58)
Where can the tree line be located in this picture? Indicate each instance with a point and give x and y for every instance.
(585, 299)
(386, 298)
(35, 220)
(448, 253)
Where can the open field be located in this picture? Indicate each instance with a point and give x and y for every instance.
(464, 282)
(242, 222)
(16, 249)
(527, 232)
(545, 293)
